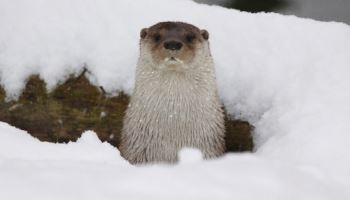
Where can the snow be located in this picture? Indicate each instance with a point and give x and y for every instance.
(190, 155)
(90, 169)
(287, 76)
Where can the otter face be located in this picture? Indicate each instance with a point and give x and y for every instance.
(173, 45)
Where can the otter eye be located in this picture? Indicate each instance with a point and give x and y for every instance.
(157, 37)
(190, 38)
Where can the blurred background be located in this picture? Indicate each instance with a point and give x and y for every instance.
(324, 10)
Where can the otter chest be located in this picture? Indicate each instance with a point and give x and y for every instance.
(171, 105)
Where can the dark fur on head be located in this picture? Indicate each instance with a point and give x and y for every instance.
(186, 37)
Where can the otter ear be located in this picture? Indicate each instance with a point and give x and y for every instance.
(143, 33)
(205, 34)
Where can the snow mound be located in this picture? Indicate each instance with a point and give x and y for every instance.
(89, 169)
(18, 144)
(190, 155)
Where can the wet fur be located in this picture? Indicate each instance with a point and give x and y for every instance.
(172, 109)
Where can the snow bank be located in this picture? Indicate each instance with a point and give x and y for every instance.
(287, 76)
(93, 170)
(19, 145)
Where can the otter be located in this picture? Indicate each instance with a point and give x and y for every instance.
(175, 103)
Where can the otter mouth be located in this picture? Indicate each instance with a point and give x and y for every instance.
(173, 60)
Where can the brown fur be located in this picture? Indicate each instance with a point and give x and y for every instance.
(175, 102)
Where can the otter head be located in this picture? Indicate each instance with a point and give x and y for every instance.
(173, 45)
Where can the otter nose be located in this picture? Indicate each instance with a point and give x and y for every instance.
(172, 45)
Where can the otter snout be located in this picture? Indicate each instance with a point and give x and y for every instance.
(173, 45)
